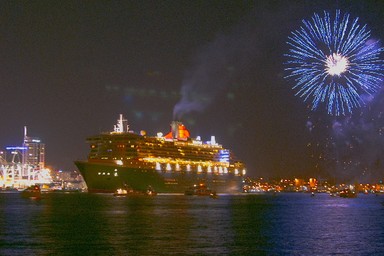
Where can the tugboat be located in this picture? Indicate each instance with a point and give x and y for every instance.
(32, 192)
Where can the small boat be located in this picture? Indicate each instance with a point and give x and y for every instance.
(200, 190)
(126, 191)
(8, 190)
(32, 192)
(150, 191)
(214, 195)
(347, 193)
(120, 192)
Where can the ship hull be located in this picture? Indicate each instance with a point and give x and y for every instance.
(104, 178)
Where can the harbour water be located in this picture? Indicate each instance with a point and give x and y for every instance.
(262, 224)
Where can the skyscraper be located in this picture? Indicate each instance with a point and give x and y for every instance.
(34, 152)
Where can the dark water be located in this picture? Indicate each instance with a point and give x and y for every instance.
(286, 224)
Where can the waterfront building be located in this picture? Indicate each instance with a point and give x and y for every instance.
(22, 166)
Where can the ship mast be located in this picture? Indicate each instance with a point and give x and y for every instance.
(25, 153)
(121, 125)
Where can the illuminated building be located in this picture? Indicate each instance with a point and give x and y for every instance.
(24, 166)
(34, 153)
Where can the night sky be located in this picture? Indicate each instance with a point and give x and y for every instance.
(69, 68)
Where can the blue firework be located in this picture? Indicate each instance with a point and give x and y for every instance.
(334, 62)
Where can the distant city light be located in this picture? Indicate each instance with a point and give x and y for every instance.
(16, 148)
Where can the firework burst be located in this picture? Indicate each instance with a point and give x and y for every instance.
(334, 62)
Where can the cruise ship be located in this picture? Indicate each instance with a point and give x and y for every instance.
(169, 163)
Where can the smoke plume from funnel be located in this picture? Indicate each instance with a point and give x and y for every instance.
(208, 75)
(236, 54)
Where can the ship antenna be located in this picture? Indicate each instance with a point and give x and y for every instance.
(121, 124)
